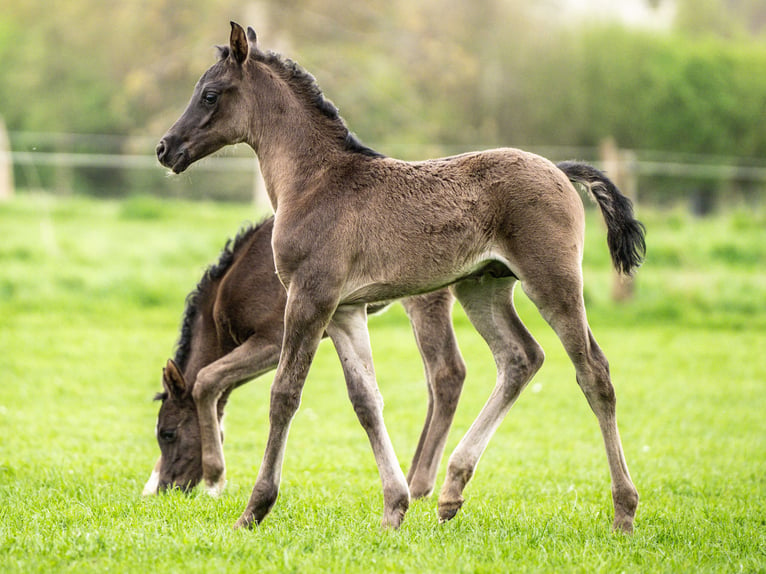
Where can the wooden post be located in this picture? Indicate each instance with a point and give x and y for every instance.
(6, 164)
(619, 165)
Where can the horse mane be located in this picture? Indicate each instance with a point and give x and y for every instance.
(305, 86)
(212, 274)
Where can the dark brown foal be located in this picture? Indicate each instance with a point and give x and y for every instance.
(232, 333)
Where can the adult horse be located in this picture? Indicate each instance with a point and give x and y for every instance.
(353, 227)
(232, 332)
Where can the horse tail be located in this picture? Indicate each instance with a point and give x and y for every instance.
(625, 234)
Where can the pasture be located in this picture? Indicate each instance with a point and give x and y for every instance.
(91, 295)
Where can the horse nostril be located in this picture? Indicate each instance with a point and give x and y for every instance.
(161, 149)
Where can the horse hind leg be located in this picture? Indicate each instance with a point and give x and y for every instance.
(560, 302)
(431, 320)
(489, 305)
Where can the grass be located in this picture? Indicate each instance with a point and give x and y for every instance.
(90, 300)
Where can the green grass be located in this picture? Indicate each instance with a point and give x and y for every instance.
(90, 300)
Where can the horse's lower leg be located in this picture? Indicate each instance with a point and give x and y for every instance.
(418, 455)
(348, 331)
(597, 387)
(489, 305)
(431, 320)
(304, 324)
(563, 308)
(254, 357)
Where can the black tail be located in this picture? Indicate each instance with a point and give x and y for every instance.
(625, 234)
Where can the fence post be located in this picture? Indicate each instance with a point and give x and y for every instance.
(620, 166)
(6, 164)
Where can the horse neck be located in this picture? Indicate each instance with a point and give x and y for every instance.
(292, 139)
(204, 345)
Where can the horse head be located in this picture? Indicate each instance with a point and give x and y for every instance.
(178, 435)
(215, 116)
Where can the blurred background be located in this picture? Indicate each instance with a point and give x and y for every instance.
(668, 95)
(99, 247)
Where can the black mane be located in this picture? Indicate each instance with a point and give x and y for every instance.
(304, 84)
(212, 274)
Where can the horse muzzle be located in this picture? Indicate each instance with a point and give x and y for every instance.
(172, 155)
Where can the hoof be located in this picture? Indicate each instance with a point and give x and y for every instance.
(215, 490)
(261, 502)
(393, 517)
(420, 492)
(623, 524)
(448, 510)
(419, 487)
(245, 522)
(393, 520)
(625, 507)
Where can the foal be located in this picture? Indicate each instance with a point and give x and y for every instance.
(232, 332)
(353, 227)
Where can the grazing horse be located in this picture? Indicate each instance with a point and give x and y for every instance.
(353, 227)
(232, 332)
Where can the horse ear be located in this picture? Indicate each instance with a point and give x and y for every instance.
(252, 39)
(238, 43)
(173, 380)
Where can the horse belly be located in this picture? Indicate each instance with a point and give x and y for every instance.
(409, 277)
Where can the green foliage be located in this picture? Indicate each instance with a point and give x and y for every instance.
(90, 300)
(446, 73)
(669, 93)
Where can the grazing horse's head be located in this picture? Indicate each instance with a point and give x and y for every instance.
(216, 115)
(178, 434)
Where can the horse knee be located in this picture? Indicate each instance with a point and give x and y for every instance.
(284, 404)
(204, 387)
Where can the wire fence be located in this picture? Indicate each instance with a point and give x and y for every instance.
(118, 166)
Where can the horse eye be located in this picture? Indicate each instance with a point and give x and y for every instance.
(210, 98)
(168, 435)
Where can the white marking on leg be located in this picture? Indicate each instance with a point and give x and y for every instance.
(215, 490)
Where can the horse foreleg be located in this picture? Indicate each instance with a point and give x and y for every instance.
(305, 322)
(431, 318)
(348, 331)
(253, 358)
